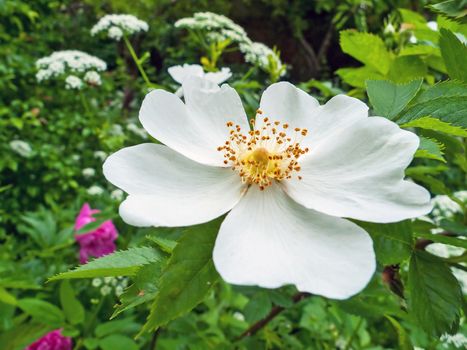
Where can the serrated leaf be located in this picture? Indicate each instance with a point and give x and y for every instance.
(455, 9)
(393, 242)
(429, 123)
(448, 88)
(42, 311)
(388, 99)
(144, 288)
(430, 149)
(450, 110)
(367, 48)
(122, 263)
(189, 275)
(435, 297)
(406, 68)
(454, 53)
(358, 76)
(72, 307)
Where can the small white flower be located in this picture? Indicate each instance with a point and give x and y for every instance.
(217, 27)
(105, 290)
(75, 157)
(21, 147)
(432, 25)
(116, 195)
(459, 340)
(92, 78)
(444, 207)
(95, 190)
(116, 130)
(115, 33)
(68, 61)
(301, 170)
(389, 29)
(413, 39)
(116, 25)
(118, 291)
(261, 55)
(88, 172)
(96, 282)
(100, 155)
(73, 82)
(108, 280)
(238, 316)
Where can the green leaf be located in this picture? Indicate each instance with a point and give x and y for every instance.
(448, 88)
(127, 325)
(430, 149)
(358, 76)
(367, 48)
(444, 239)
(450, 110)
(118, 342)
(403, 338)
(454, 227)
(454, 53)
(429, 123)
(122, 263)
(144, 288)
(71, 306)
(92, 226)
(435, 297)
(189, 275)
(392, 242)
(42, 311)
(167, 245)
(406, 68)
(6, 297)
(388, 99)
(258, 307)
(20, 336)
(456, 9)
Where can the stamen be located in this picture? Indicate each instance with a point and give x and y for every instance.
(264, 154)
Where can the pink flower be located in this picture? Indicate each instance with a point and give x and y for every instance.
(51, 341)
(96, 243)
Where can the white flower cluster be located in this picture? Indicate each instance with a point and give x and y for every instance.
(71, 63)
(445, 207)
(459, 340)
(219, 27)
(88, 172)
(21, 147)
(95, 190)
(263, 56)
(118, 25)
(107, 284)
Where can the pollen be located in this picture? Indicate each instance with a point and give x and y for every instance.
(270, 152)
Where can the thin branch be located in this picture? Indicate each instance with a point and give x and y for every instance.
(276, 310)
(155, 335)
(323, 49)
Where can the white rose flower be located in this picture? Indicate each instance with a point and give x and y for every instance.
(181, 73)
(302, 168)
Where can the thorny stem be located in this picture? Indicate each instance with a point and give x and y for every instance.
(137, 61)
(276, 310)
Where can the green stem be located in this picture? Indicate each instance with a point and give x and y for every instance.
(354, 333)
(137, 62)
(84, 102)
(78, 344)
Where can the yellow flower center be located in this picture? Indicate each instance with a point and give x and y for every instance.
(265, 153)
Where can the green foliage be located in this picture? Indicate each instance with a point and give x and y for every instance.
(435, 296)
(455, 9)
(454, 53)
(42, 311)
(72, 307)
(434, 124)
(122, 263)
(189, 275)
(392, 242)
(388, 99)
(430, 149)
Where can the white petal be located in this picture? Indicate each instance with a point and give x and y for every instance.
(270, 241)
(359, 172)
(180, 73)
(288, 104)
(167, 189)
(219, 77)
(198, 128)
